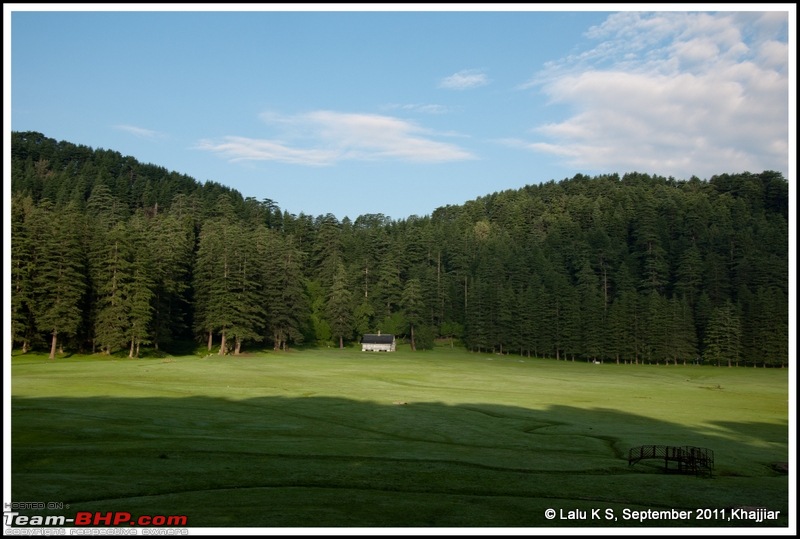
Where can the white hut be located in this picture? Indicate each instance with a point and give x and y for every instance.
(378, 343)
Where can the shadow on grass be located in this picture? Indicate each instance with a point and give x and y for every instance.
(333, 462)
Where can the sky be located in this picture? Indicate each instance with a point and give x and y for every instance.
(386, 109)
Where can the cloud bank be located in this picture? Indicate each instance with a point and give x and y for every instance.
(675, 94)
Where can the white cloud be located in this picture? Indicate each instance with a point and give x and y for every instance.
(675, 94)
(696, 50)
(424, 108)
(465, 79)
(322, 138)
(139, 131)
(249, 149)
(774, 54)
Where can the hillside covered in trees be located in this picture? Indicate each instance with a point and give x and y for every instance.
(109, 255)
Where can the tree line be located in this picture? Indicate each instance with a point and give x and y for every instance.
(109, 255)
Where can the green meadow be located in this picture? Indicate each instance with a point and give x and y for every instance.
(442, 438)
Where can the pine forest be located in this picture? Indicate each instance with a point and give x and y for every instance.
(113, 256)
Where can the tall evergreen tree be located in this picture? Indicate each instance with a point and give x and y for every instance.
(389, 286)
(363, 317)
(247, 294)
(689, 278)
(327, 249)
(286, 301)
(413, 308)
(26, 237)
(656, 330)
(172, 242)
(681, 336)
(113, 288)
(215, 274)
(140, 291)
(340, 307)
(60, 277)
(723, 338)
(765, 337)
(106, 245)
(650, 247)
(591, 315)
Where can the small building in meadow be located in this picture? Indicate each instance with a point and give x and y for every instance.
(375, 342)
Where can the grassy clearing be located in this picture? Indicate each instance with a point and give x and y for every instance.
(330, 438)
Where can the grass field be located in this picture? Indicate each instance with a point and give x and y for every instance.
(443, 438)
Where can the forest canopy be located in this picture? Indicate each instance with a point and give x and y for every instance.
(114, 256)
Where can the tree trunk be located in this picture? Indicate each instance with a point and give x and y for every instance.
(210, 340)
(53, 345)
(222, 345)
(130, 354)
(341, 342)
(413, 344)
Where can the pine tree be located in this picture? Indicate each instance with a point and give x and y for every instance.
(625, 323)
(327, 249)
(648, 228)
(113, 288)
(25, 243)
(285, 294)
(656, 329)
(590, 313)
(413, 307)
(60, 278)
(723, 337)
(690, 274)
(389, 286)
(141, 284)
(765, 338)
(339, 307)
(364, 315)
(681, 337)
(229, 280)
(215, 275)
(106, 244)
(172, 239)
(566, 312)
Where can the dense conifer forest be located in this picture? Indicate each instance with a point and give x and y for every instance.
(113, 256)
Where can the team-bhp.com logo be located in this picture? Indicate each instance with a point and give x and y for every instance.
(96, 518)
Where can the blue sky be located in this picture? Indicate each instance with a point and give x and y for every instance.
(361, 110)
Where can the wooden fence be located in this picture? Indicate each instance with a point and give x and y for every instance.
(684, 459)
